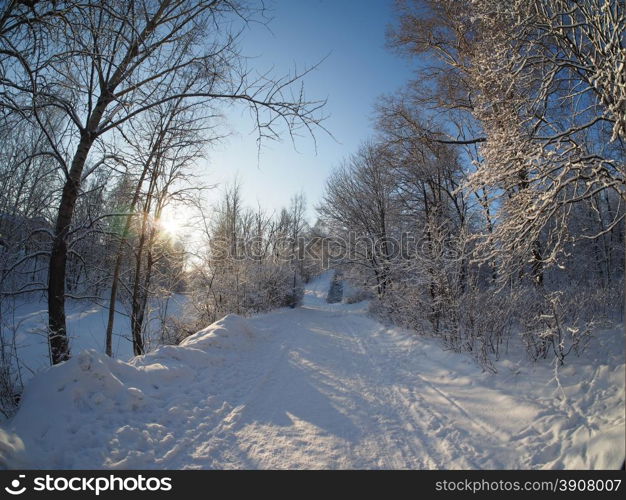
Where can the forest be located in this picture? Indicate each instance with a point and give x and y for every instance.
(488, 204)
(503, 163)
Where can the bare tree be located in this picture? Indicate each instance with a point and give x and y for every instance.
(114, 61)
(174, 130)
(360, 202)
(169, 182)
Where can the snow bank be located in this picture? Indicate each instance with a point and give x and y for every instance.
(82, 411)
(230, 332)
(11, 451)
(86, 323)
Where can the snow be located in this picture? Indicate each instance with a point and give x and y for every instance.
(316, 291)
(320, 386)
(86, 326)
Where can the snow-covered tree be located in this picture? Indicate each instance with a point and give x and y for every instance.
(550, 97)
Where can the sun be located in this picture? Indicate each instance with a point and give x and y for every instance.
(170, 226)
(173, 222)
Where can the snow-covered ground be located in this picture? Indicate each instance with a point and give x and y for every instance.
(321, 386)
(86, 326)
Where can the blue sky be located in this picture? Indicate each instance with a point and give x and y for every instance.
(357, 71)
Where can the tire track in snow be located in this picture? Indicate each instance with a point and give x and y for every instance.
(411, 402)
(473, 437)
(380, 436)
(410, 423)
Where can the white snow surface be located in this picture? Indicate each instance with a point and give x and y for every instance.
(86, 326)
(320, 386)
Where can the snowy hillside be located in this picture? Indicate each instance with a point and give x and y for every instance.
(320, 386)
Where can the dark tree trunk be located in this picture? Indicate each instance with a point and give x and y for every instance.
(537, 266)
(136, 318)
(140, 292)
(113, 297)
(57, 329)
(141, 314)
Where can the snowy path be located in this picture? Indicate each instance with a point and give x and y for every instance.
(322, 386)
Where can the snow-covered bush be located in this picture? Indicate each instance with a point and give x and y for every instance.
(484, 325)
(553, 326)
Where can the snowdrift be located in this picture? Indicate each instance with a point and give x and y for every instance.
(230, 332)
(70, 411)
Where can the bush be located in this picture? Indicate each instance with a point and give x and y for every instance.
(480, 322)
(556, 326)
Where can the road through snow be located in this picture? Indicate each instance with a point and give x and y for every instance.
(321, 386)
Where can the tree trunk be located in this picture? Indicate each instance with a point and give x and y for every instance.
(537, 265)
(141, 291)
(57, 329)
(141, 314)
(113, 297)
(135, 319)
(120, 255)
